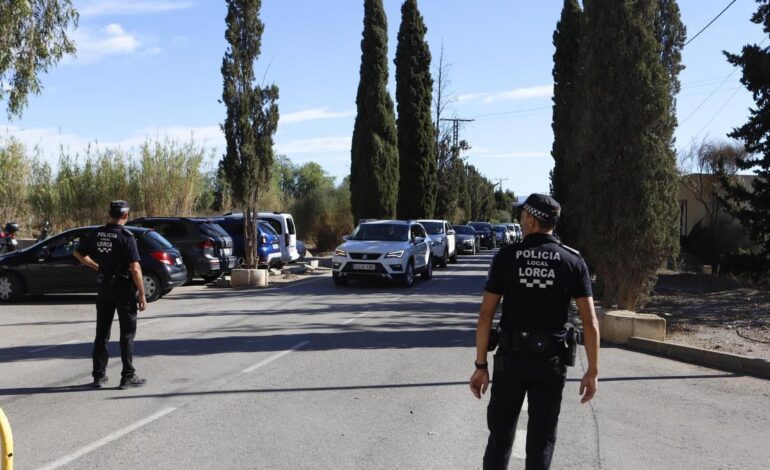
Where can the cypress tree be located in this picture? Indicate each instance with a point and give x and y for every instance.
(566, 114)
(416, 135)
(252, 117)
(374, 153)
(625, 140)
(752, 207)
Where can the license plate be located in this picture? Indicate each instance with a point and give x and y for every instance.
(228, 251)
(276, 246)
(364, 267)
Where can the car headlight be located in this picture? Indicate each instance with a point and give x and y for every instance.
(394, 254)
(341, 253)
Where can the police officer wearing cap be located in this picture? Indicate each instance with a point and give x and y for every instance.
(536, 280)
(111, 251)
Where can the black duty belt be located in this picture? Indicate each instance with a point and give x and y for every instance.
(525, 341)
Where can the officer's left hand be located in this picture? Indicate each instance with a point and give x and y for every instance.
(588, 386)
(479, 382)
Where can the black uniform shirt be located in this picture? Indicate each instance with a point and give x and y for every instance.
(112, 247)
(537, 278)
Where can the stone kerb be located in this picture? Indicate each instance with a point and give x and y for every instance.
(617, 326)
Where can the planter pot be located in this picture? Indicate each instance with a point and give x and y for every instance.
(244, 278)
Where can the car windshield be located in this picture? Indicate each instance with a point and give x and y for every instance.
(481, 227)
(464, 230)
(381, 232)
(433, 228)
(500, 229)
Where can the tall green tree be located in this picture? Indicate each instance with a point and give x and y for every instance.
(416, 133)
(625, 141)
(33, 38)
(252, 117)
(567, 170)
(374, 153)
(752, 206)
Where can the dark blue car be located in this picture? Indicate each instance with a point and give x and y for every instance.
(49, 266)
(268, 243)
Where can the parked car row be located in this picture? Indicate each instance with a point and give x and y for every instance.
(398, 250)
(173, 250)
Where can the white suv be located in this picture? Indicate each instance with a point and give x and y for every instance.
(444, 243)
(386, 249)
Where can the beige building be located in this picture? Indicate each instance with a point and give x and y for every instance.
(696, 194)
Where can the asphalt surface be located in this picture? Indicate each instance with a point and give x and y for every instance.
(363, 377)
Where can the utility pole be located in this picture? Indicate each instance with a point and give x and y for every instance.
(500, 183)
(456, 132)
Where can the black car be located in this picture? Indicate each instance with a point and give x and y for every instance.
(206, 248)
(49, 267)
(486, 233)
(468, 241)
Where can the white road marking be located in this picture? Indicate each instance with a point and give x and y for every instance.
(150, 321)
(105, 440)
(525, 404)
(45, 348)
(351, 320)
(520, 444)
(273, 358)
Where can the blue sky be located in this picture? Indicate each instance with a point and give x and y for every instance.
(152, 69)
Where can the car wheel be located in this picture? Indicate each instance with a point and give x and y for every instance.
(165, 292)
(339, 281)
(152, 289)
(408, 279)
(11, 287)
(427, 275)
(445, 259)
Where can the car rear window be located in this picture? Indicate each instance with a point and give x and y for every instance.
(276, 225)
(266, 227)
(212, 230)
(152, 240)
(290, 223)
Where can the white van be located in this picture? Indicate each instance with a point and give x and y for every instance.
(283, 224)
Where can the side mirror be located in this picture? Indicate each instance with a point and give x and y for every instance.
(345, 238)
(418, 240)
(451, 232)
(43, 253)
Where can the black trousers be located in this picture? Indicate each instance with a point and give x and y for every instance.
(542, 378)
(123, 299)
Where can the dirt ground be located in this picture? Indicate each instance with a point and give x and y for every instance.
(713, 313)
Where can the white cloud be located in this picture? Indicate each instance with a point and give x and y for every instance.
(315, 145)
(522, 93)
(131, 7)
(112, 40)
(314, 114)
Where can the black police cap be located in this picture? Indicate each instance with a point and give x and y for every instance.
(118, 208)
(542, 207)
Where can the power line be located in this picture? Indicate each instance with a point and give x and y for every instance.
(719, 111)
(710, 23)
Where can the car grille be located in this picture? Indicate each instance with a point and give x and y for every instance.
(365, 256)
(378, 269)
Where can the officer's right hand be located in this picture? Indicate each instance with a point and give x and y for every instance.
(142, 303)
(479, 382)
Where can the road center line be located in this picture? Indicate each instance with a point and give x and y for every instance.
(106, 440)
(45, 348)
(150, 321)
(351, 320)
(520, 444)
(274, 357)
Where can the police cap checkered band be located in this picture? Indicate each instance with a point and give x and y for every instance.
(118, 208)
(542, 207)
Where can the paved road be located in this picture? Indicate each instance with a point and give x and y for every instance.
(363, 377)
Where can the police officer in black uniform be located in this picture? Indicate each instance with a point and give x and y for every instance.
(111, 250)
(8, 239)
(536, 279)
